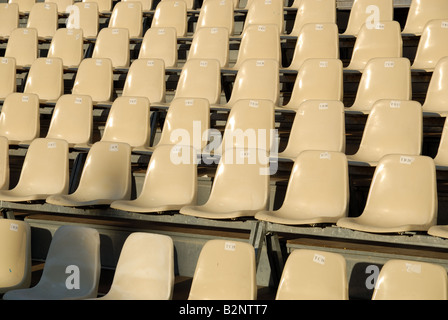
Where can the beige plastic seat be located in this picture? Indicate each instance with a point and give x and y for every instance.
(67, 44)
(170, 182)
(15, 253)
(217, 14)
(441, 158)
(72, 267)
(200, 79)
(104, 6)
(44, 18)
(383, 78)
(421, 12)
(392, 127)
(225, 270)
(46, 79)
(62, 4)
(171, 14)
(363, 11)
(106, 177)
(113, 43)
(313, 11)
(265, 12)
(440, 231)
(128, 15)
(210, 43)
(189, 4)
(317, 79)
(257, 80)
(402, 197)
(8, 74)
(317, 192)
(432, 46)
(411, 280)
(145, 269)
(95, 79)
(260, 42)
(146, 78)
(315, 40)
(240, 187)
(313, 275)
(383, 40)
(160, 43)
(436, 97)
(45, 172)
(84, 16)
(146, 4)
(4, 164)
(22, 46)
(19, 118)
(318, 125)
(24, 5)
(9, 19)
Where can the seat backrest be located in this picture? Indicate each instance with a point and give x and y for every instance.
(44, 18)
(431, 47)
(217, 14)
(15, 252)
(113, 43)
(46, 79)
(4, 166)
(315, 40)
(317, 79)
(146, 78)
(371, 11)
(411, 280)
(22, 45)
(24, 5)
(313, 275)
(200, 79)
(72, 119)
(421, 12)
(146, 4)
(436, 98)
(20, 118)
(128, 15)
(94, 78)
(225, 270)
(171, 13)
(104, 6)
(383, 40)
(67, 44)
(62, 5)
(84, 16)
(441, 158)
(210, 43)
(9, 17)
(7, 77)
(313, 11)
(264, 12)
(160, 43)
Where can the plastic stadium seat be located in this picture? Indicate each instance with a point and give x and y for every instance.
(128, 15)
(402, 197)
(62, 5)
(146, 4)
(411, 280)
(8, 72)
(317, 79)
(432, 46)
(24, 5)
(45, 172)
(383, 40)
(160, 43)
(67, 44)
(146, 78)
(200, 79)
(210, 43)
(436, 97)
(106, 177)
(45, 79)
(15, 253)
(104, 6)
(217, 14)
(84, 16)
(240, 187)
(318, 125)
(315, 40)
(22, 46)
(383, 78)
(441, 158)
(4, 164)
(19, 118)
(170, 181)
(71, 270)
(9, 19)
(113, 43)
(363, 11)
(421, 12)
(392, 127)
(313, 11)
(44, 18)
(265, 12)
(225, 270)
(171, 14)
(95, 79)
(313, 275)
(317, 192)
(259, 42)
(145, 269)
